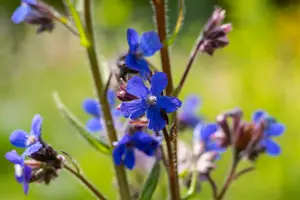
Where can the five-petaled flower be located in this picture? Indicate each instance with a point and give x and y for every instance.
(31, 141)
(272, 129)
(140, 47)
(22, 171)
(187, 115)
(92, 107)
(33, 12)
(150, 101)
(124, 150)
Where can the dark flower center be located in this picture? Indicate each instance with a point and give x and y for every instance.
(151, 100)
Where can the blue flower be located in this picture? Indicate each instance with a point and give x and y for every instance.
(204, 133)
(93, 108)
(150, 101)
(188, 113)
(33, 12)
(140, 47)
(124, 150)
(23, 11)
(31, 141)
(272, 129)
(22, 171)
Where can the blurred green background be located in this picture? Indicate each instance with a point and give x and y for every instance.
(259, 69)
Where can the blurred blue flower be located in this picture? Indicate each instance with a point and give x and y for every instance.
(188, 113)
(23, 11)
(140, 47)
(124, 150)
(92, 107)
(30, 141)
(22, 171)
(150, 101)
(272, 129)
(33, 12)
(204, 133)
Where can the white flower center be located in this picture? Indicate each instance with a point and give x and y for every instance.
(18, 170)
(31, 139)
(151, 100)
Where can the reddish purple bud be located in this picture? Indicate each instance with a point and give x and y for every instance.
(215, 33)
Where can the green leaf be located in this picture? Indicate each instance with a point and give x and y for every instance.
(178, 25)
(151, 183)
(98, 144)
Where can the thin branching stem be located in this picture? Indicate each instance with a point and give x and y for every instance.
(89, 185)
(194, 53)
(100, 87)
(213, 186)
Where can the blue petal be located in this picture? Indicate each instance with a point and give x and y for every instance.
(94, 125)
(191, 104)
(145, 143)
(119, 150)
(139, 65)
(19, 138)
(111, 98)
(21, 13)
(136, 87)
(129, 160)
(274, 129)
(36, 127)
(19, 179)
(168, 104)
(132, 39)
(159, 82)
(150, 43)
(32, 149)
(258, 115)
(27, 177)
(92, 107)
(207, 130)
(134, 109)
(156, 121)
(32, 2)
(13, 157)
(272, 148)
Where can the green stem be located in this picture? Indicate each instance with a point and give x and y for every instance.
(112, 134)
(191, 191)
(89, 185)
(82, 34)
(160, 13)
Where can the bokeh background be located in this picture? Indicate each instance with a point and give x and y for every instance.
(259, 69)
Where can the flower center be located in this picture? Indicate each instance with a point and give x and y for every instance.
(31, 139)
(151, 100)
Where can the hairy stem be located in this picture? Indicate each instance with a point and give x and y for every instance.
(173, 183)
(194, 53)
(160, 14)
(89, 185)
(100, 87)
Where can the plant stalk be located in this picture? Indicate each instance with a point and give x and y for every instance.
(100, 86)
(194, 53)
(173, 183)
(89, 185)
(160, 14)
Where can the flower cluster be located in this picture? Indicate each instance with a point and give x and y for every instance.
(39, 162)
(150, 109)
